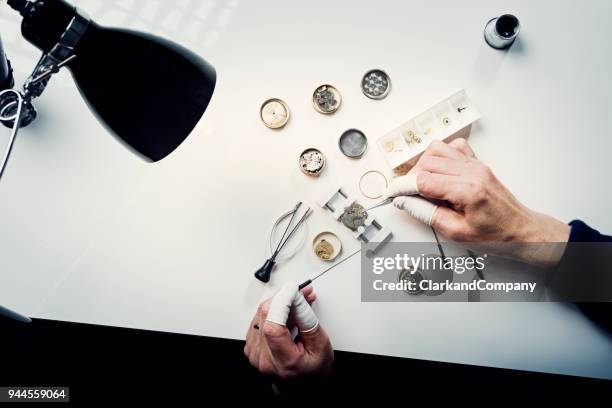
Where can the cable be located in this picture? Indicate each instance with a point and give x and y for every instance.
(470, 253)
(478, 271)
(438, 243)
(17, 106)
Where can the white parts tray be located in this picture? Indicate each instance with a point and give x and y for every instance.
(401, 146)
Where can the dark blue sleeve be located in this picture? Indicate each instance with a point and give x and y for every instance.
(584, 273)
(581, 232)
(598, 312)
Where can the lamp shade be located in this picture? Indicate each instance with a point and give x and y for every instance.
(150, 92)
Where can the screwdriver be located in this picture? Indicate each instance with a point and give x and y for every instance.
(309, 281)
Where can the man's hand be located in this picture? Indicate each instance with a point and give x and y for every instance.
(270, 347)
(473, 205)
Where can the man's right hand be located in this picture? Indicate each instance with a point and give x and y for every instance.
(474, 206)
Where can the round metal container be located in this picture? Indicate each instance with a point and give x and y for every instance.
(274, 113)
(330, 239)
(376, 84)
(353, 143)
(312, 162)
(326, 99)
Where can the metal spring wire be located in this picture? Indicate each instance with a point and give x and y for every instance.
(11, 112)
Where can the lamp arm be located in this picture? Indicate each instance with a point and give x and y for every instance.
(60, 55)
(16, 109)
(39, 78)
(50, 63)
(52, 69)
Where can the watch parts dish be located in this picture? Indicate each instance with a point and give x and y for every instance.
(326, 99)
(312, 162)
(274, 113)
(327, 246)
(353, 143)
(447, 119)
(376, 84)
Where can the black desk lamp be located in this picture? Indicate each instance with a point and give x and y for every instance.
(148, 91)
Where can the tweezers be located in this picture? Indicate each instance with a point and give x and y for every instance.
(382, 203)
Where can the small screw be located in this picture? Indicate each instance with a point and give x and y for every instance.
(461, 109)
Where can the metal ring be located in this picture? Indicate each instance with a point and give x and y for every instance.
(361, 181)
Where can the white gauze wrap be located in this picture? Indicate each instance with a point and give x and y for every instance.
(291, 298)
(406, 191)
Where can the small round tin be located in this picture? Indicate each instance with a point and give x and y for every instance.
(312, 162)
(326, 246)
(326, 99)
(353, 143)
(274, 113)
(376, 84)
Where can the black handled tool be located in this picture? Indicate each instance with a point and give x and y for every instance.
(263, 273)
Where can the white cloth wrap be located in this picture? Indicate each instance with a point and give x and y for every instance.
(405, 191)
(289, 299)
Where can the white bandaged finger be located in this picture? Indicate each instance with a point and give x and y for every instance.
(403, 186)
(288, 298)
(417, 207)
(305, 318)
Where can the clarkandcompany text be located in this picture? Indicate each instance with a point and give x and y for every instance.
(429, 285)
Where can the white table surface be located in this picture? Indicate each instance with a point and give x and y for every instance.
(90, 233)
